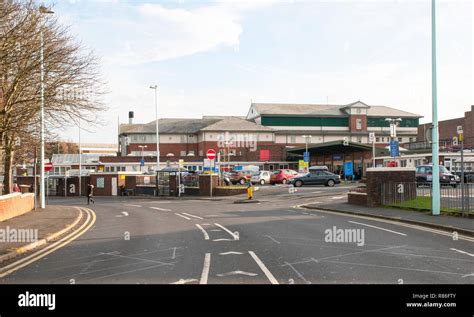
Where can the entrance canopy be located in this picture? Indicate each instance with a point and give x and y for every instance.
(334, 147)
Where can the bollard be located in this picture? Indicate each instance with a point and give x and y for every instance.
(249, 190)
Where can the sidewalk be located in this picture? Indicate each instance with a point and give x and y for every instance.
(461, 225)
(39, 227)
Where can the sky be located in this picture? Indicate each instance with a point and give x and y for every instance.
(215, 57)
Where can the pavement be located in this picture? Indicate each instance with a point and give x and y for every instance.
(461, 225)
(38, 228)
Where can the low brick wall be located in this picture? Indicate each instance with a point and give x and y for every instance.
(228, 191)
(378, 175)
(16, 204)
(355, 198)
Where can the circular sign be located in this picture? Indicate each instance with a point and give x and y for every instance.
(211, 154)
(48, 166)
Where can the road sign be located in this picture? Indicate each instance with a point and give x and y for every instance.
(181, 163)
(348, 169)
(211, 154)
(455, 140)
(394, 150)
(306, 156)
(371, 137)
(459, 129)
(48, 166)
(142, 162)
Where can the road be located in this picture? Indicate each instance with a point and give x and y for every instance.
(218, 242)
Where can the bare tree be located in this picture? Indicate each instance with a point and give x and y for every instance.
(73, 86)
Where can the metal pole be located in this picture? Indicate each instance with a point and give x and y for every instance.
(34, 179)
(435, 198)
(42, 179)
(80, 160)
(373, 152)
(463, 195)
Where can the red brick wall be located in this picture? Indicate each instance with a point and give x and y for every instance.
(353, 125)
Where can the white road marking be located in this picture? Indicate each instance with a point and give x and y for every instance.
(271, 238)
(162, 209)
(236, 237)
(174, 253)
(463, 252)
(337, 197)
(216, 230)
(205, 269)
(262, 266)
(205, 224)
(223, 240)
(237, 273)
(230, 252)
(125, 213)
(187, 218)
(129, 205)
(317, 192)
(472, 274)
(206, 236)
(197, 217)
(189, 280)
(363, 224)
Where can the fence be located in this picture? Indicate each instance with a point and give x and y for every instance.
(454, 198)
(190, 181)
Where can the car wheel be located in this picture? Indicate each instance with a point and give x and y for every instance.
(242, 181)
(298, 183)
(284, 181)
(330, 183)
(262, 182)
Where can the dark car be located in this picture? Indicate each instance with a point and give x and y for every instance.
(316, 178)
(424, 174)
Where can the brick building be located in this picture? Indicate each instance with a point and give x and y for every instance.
(447, 130)
(265, 135)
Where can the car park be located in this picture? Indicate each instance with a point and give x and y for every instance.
(424, 174)
(282, 176)
(316, 177)
(262, 178)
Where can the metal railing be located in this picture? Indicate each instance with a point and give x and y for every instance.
(190, 181)
(456, 198)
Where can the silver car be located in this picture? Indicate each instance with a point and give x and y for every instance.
(262, 177)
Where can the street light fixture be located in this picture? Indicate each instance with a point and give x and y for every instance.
(155, 87)
(42, 10)
(306, 137)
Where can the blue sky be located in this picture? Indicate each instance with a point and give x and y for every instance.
(213, 58)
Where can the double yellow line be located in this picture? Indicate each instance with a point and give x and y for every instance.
(88, 223)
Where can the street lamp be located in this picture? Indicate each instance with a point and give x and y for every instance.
(155, 87)
(435, 197)
(143, 157)
(42, 10)
(306, 137)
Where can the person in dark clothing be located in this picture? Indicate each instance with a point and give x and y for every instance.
(90, 193)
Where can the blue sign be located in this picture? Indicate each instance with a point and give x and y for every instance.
(348, 169)
(238, 167)
(394, 150)
(142, 162)
(306, 156)
(337, 157)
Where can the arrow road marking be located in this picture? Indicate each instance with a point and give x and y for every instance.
(235, 236)
(205, 269)
(237, 273)
(463, 252)
(162, 209)
(206, 236)
(189, 280)
(230, 252)
(197, 217)
(187, 218)
(262, 266)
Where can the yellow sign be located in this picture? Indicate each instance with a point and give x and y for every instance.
(122, 177)
(181, 163)
(302, 165)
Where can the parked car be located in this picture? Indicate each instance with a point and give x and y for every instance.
(318, 177)
(241, 177)
(282, 176)
(424, 174)
(262, 177)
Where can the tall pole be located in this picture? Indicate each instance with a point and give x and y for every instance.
(155, 87)
(42, 185)
(435, 197)
(80, 160)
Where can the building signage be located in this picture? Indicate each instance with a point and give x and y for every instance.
(306, 156)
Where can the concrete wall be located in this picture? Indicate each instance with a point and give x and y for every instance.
(15, 204)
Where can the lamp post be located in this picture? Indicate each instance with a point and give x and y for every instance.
(42, 10)
(435, 197)
(306, 137)
(155, 87)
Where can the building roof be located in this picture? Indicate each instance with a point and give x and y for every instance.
(236, 124)
(334, 147)
(73, 159)
(326, 110)
(207, 123)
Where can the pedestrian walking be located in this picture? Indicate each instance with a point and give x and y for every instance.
(90, 194)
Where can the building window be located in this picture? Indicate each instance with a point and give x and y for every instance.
(182, 153)
(400, 139)
(359, 124)
(377, 139)
(292, 138)
(183, 139)
(359, 139)
(410, 139)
